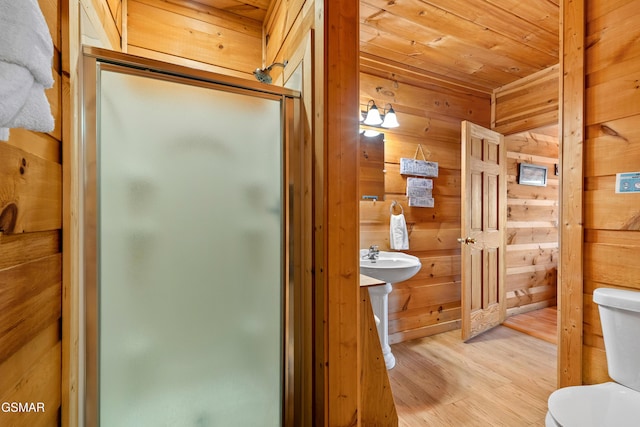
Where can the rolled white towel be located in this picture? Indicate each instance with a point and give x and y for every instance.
(26, 40)
(26, 52)
(15, 85)
(23, 103)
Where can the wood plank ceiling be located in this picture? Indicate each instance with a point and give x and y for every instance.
(480, 44)
(477, 44)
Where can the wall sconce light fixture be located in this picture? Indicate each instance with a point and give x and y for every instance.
(390, 119)
(373, 118)
(372, 115)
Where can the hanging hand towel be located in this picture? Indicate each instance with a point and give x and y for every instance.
(26, 52)
(398, 234)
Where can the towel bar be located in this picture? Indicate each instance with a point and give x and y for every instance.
(393, 205)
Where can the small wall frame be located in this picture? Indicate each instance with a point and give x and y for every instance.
(529, 174)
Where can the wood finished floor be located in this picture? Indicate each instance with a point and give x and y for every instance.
(539, 323)
(500, 378)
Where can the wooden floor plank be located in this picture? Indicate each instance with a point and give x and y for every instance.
(500, 378)
(538, 323)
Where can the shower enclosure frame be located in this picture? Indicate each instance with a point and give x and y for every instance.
(295, 364)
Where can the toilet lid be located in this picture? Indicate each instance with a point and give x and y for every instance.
(601, 405)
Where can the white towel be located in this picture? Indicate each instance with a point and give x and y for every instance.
(23, 102)
(25, 37)
(398, 234)
(26, 52)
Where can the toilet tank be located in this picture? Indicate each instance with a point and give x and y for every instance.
(620, 317)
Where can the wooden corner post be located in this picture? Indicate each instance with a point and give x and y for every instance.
(570, 273)
(336, 221)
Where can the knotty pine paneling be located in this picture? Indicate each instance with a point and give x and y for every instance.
(612, 145)
(615, 270)
(31, 259)
(287, 28)
(254, 9)
(115, 10)
(430, 115)
(528, 212)
(542, 27)
(480, 45)
(532, 224)
(31, 192)
(199, 36)
(33, 292)
(107, 15)
(526, 104)
(446, 105)
(520, 192)
(38, 144)
(526, 111)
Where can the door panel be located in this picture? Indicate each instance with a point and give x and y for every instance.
(483, 229)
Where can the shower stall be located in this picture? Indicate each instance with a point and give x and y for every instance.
(190, 205)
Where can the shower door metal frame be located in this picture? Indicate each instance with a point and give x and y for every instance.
(293, 364)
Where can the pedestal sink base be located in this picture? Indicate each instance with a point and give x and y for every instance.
(389, 267)
(379, 296)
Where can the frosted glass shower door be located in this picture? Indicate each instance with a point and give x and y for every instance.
(190, 294)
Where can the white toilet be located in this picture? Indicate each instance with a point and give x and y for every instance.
(612, 404)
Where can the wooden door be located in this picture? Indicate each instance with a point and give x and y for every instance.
(484, 196)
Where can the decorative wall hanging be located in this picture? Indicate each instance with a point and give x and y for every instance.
(419, 187)
(532, 175)
(421, 202)
(419, 190)
(418, 167)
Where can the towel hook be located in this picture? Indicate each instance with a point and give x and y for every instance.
(393, 205)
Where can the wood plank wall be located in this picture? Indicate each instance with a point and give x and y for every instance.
(526, 104)
(109, 15)
(194, 35)
(286, 26)
(526, 111)
(430, 113)
(611, 145)
(31, 259)
(532, 224)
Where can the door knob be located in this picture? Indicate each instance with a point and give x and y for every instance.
(466, 241)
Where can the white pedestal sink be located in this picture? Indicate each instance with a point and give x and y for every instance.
(390, 267)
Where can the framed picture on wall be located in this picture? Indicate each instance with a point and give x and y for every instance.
(529, 174)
